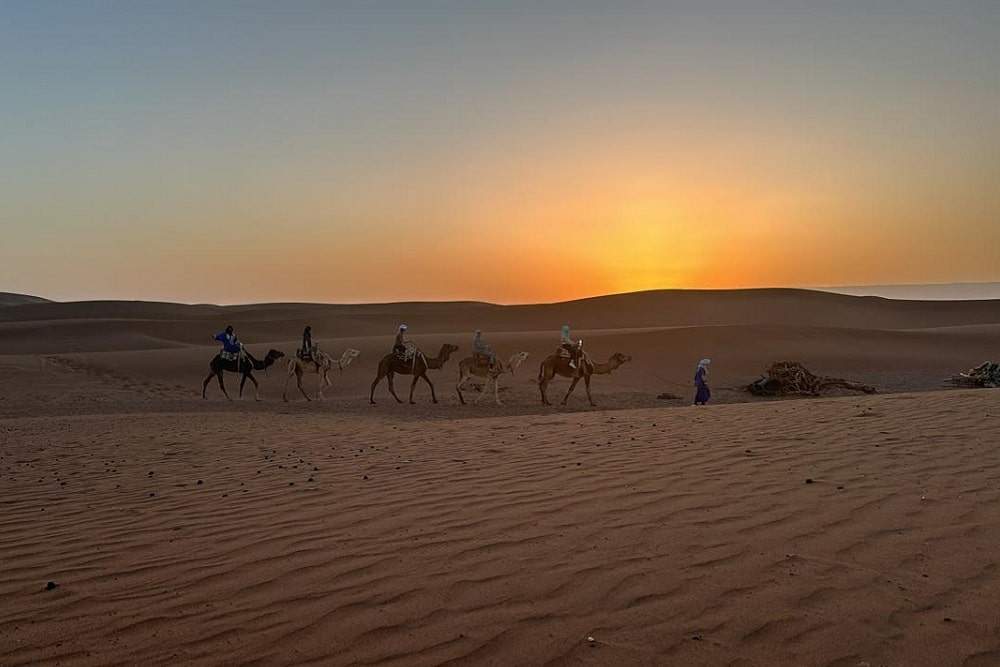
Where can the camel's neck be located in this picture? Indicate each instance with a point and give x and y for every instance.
(261, 365)
(438, 361)
(606, 367)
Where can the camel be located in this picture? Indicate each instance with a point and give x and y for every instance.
(321, 364)
(555, 364)
(245, 365)
(467, 368)
(417, 367)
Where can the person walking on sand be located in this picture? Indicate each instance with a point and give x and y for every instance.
(702, 392)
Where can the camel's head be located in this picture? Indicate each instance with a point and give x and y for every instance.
(273, 355)
(349, 355)
(448, 349)
(515, 361)
(619, 358)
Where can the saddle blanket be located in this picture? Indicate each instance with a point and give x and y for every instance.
(408, 354)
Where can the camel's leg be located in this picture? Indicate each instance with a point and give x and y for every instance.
(243, 381)
(298, 382)
(430, 384)
(204, 386)
(543, 386)
(392, 387)
(572, 386)
(256, 386)
(458, 387)
(284, 392)
(371, 397)
(586, 383)
(412, 386)
(320, 374)
(486, 388)
(222, 385)
(496, 390)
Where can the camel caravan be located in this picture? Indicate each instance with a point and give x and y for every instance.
(483, 368)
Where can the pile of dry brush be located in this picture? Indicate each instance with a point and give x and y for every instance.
(986, 374)
(791, 377)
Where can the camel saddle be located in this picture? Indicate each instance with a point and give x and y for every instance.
(229, 356)
(408, 354)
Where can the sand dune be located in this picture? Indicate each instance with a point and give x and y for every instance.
(179, 530)
(671, 537)
(164, 324)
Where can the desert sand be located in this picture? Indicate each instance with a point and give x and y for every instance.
(844, 530)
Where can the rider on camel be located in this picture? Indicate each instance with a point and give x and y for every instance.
(567, 343)
(481, 351)
(306, 351)
(231, 345)
(402, 344)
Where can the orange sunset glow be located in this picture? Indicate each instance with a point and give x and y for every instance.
(496, 155)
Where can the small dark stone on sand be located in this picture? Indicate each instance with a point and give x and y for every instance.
(840, 488)
(291, 484)
(311, 479)
(366, 476)
(53, 585)
(947, 619)
(201, 481)
(151, 494)
(809, 480)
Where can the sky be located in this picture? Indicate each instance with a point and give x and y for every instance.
(501, 151)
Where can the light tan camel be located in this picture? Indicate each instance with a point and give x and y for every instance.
(467, 368)
(321, 364)
(555, 364)
(417, 367)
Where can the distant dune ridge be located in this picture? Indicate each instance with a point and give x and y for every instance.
(11, 299)
(54, 327)
(925, 292)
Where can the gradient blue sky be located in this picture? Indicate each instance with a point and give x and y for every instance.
(235, 152)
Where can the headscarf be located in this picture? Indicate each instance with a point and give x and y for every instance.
(565, 330)
(403, 327)
(704, 363)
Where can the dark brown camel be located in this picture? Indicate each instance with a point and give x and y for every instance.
(417, 367)
(247, 365)
(554, 365)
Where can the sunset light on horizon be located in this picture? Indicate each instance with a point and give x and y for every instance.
(506, 152)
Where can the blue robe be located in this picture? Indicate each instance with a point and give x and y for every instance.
(703, 393)
(229, 342)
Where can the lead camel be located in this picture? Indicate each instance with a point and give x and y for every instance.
(245, 365)
(554, 365)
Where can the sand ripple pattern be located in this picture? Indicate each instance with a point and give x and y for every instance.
(684, 536)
